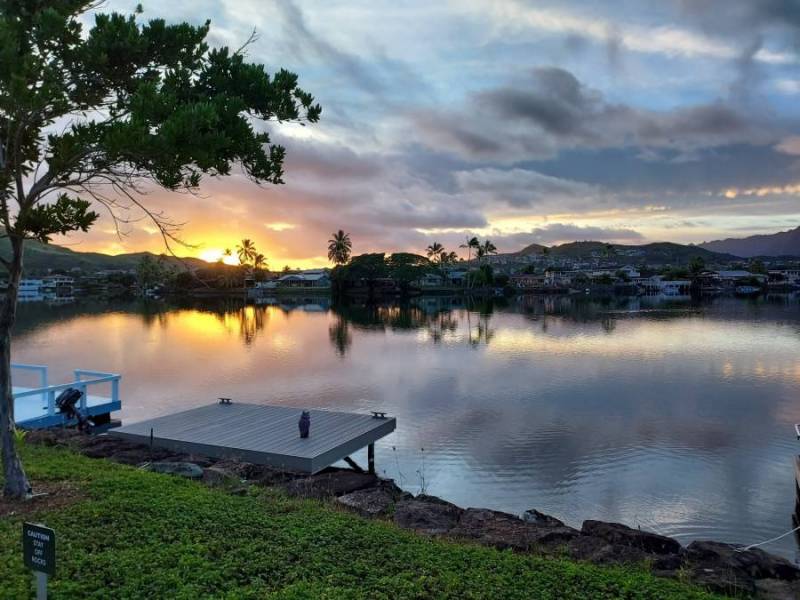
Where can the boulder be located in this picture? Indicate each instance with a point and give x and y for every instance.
(332, 483)
(599, 551)
(539, 518)
(181, 469)
(427, 514)
(503, 530)
(220, 476)
(775, 589)
(370, 502)
(622, 535)
(753, 563)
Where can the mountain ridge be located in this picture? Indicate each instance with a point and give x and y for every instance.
(782, 243)
(41, 258)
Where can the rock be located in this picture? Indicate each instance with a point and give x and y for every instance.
(374, 501)
(753, 563)
(600, 551)
(720, 582)
(503, 530)
(622, 535)
(219, 476)
(427, 514)
(774, 589)
(371, 502)
(539, 518)
(181, 469)
(333, 483)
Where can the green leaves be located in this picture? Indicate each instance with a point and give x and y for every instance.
(63, 216)
(141, 101)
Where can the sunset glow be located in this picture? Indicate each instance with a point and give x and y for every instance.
(213, 255)
(621, 110)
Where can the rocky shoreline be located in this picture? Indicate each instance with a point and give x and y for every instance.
(717, 566)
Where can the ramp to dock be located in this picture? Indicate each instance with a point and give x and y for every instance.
(262, 434)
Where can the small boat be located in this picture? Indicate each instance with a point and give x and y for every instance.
(747, 290)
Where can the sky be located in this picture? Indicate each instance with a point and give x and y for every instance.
(628, 121)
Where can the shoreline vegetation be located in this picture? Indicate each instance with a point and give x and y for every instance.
(127, 532)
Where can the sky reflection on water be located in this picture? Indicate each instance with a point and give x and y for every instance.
(672, 416)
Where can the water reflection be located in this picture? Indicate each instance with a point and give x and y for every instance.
(669, 414)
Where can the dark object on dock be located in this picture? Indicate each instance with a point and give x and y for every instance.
(224, 400)
(66, 405)
(304, 424)
(377, 414)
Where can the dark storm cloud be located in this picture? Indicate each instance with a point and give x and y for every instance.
(553, 111)
(623, 170)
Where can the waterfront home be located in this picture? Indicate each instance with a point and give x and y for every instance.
(784, 277)
(57, 286)
(678, 287)
(30, 290)
(527, 281)
(562, 278)
(430, 280)
(738, 275)
(456, 277)
(315, 278)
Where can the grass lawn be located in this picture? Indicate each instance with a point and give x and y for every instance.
(125, 533)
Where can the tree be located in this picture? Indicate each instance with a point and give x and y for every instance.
(93, 118)
(757, 266)
(435, 252)
(150, 272)
(487, 248)
(696, 266)
(471, 243)
(246, 251)
(339, 248)
(259, 263)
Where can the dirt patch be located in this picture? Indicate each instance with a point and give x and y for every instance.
(56, 494)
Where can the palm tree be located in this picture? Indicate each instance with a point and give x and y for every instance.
(339, 247)
(259, 263)
(246, 251)
(487, 248)
(435, 252)
(469, 244)
(450, 258)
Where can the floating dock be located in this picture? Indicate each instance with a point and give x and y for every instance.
(264, 434)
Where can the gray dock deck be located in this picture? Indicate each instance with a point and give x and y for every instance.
(262, 434)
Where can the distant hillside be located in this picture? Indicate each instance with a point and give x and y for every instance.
(532, 249)
(659, 253)
(784, 243)
(40, 258)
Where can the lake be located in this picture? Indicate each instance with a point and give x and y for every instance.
(673, 416)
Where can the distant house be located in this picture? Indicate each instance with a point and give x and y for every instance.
(316, 278)
(430, 280)
(527, 281)
(30, 290)
(738, 275)
(58, 286)
(457, 277)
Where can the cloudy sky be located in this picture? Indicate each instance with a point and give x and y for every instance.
(546, 121)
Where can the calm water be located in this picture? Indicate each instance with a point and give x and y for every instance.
(675, 417)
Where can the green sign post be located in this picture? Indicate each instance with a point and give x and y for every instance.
(39, 554)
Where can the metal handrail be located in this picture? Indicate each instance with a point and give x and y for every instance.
(48, 392)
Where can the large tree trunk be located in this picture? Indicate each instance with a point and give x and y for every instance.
(16, 483)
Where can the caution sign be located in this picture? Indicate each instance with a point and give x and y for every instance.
(39, 548)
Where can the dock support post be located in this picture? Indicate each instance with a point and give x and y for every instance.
(371, 458)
